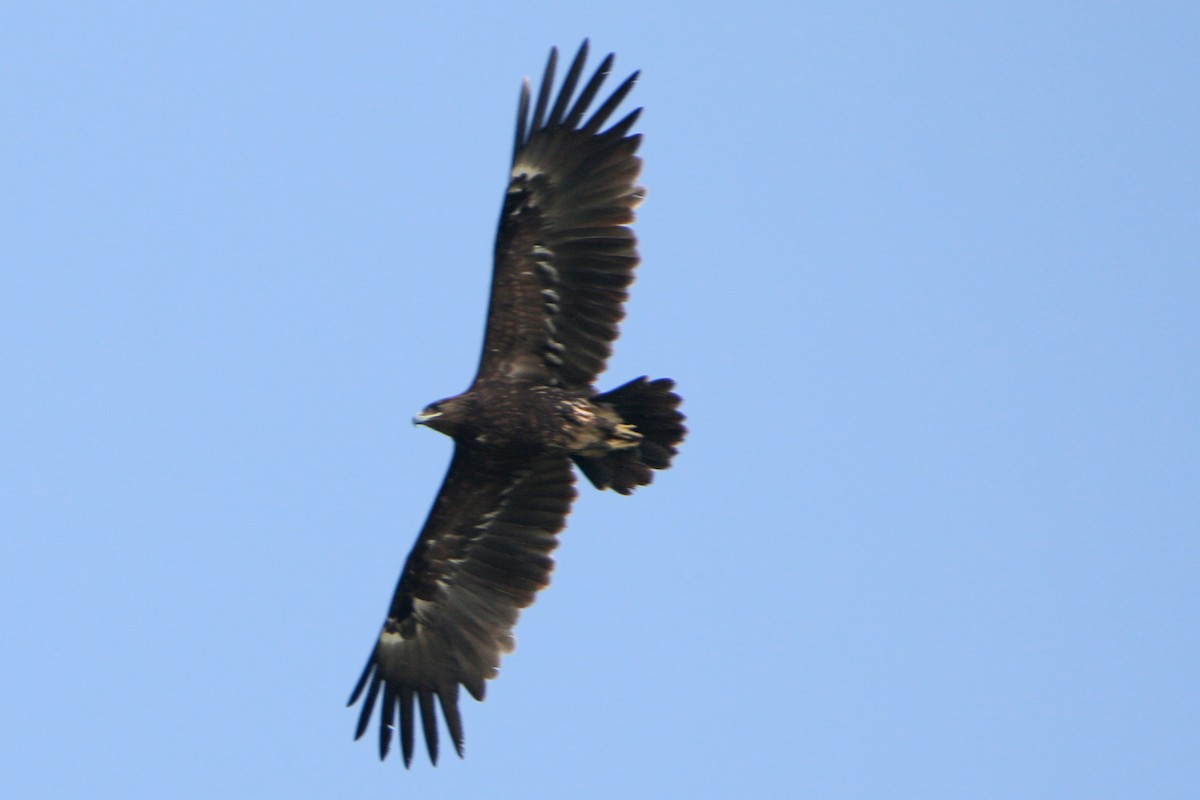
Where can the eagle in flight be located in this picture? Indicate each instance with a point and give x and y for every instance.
(564, 261)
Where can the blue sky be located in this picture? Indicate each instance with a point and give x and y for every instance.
(926, 274)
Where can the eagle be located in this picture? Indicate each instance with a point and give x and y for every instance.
(564, 259)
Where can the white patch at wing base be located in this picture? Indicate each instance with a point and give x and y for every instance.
(524, 171)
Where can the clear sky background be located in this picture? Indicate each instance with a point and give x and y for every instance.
(927, 275)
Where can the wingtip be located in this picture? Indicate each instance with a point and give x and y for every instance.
(448, 699)
(429, 723)
(364, 716)
(367, 673)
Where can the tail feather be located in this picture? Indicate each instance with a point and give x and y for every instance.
(653, 410)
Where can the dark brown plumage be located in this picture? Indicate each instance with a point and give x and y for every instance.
(564, 260)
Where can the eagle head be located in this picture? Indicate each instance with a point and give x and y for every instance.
(448, 416)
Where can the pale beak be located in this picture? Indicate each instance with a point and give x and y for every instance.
(424, 417)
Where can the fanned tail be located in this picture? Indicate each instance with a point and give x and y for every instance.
(653, 411)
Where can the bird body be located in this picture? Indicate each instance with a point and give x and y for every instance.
(527, 417)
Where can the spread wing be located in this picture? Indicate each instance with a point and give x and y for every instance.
(482, 556)
(564, 252)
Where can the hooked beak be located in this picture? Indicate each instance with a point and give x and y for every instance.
(425, 416)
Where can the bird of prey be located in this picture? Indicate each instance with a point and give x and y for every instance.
(564, 260)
